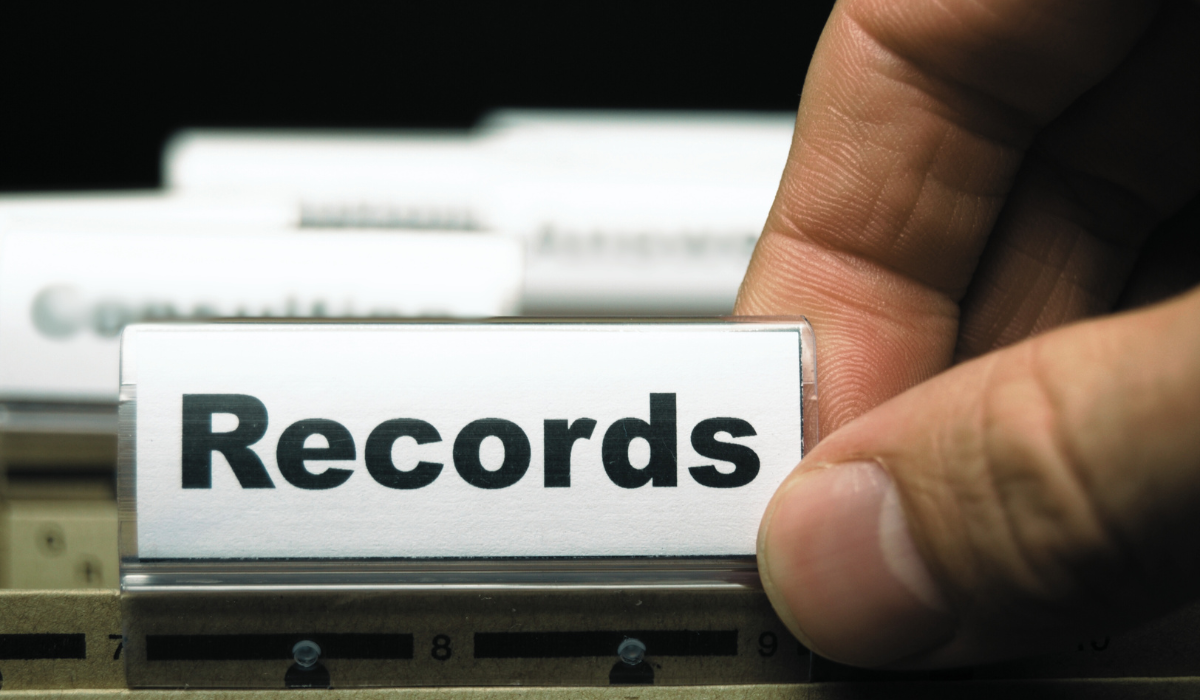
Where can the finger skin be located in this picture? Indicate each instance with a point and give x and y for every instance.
(1122, 159)
(912, 127)
(1047, 490)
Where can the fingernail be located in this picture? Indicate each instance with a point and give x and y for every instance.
(839, 563)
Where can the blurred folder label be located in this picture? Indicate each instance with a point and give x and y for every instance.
(462, 441)
(622, 212)
(66, 292)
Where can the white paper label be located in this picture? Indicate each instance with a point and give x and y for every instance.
(65, 294)
(623, 212)
(460, 441)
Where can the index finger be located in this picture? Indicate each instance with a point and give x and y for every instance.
(913, 123)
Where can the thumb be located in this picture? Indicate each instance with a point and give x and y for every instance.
(1007, 505)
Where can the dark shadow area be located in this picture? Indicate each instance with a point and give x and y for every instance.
(624, 674)
(298, 676)
(93, 91)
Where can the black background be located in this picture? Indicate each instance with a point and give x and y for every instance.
(90, 92)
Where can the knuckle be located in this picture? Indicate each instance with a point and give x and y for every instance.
(1044, 533)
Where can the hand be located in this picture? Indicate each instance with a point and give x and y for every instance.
(966, 176)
